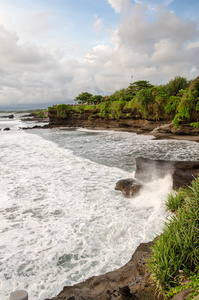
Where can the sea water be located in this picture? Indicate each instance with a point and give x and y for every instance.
(61, 220)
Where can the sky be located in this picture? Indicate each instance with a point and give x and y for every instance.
(53, 50)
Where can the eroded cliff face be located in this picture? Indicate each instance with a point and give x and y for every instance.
(91, 118)
(130, 120)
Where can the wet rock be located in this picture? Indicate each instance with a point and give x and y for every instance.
(6, 129)
(9, 117)
(129, 187)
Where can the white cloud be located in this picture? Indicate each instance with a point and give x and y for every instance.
(118, 5)
(156, 51)
(98, 25)
(39, 71)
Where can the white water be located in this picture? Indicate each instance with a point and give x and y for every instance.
(61, 219)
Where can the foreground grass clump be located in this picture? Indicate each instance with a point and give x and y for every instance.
(176, 251)
(175, 201)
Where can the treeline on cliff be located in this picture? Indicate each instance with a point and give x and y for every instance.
(178, 101)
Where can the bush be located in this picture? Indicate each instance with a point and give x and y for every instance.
(41, 113)
(195, 124)
(177, 249)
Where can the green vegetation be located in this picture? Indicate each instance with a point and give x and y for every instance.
(41, 113)
(178, 100)
(175, 201)
(87, 98)
(192, 282)
(175, 255)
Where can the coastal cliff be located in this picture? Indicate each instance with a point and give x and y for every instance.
(129, 120)
(141, 108)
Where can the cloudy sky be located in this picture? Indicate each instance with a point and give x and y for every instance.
(52, 50)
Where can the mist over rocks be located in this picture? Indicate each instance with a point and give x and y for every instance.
(147, 170)
(182, 172)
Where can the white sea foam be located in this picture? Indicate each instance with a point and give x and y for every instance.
(61, 219)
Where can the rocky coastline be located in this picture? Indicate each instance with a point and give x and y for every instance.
(163, 129)
(132, 281)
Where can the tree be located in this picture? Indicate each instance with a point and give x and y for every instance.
(137, 86)
(176, 84)
(97, 99)
(145, 97)
(84, 98)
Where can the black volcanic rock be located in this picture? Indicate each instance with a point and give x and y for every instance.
(8, 117)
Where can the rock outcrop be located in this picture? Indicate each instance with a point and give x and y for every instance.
(129, 187)
(8, 117)
(184, 172)
(169, 128)
(129, 282)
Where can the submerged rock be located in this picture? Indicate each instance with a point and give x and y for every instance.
(129, 187)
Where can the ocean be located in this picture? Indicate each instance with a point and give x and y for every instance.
(61, 220)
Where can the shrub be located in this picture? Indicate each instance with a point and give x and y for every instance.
(195, 124)
(104, 108)
(41, 113)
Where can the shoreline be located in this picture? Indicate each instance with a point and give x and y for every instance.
(131, 281)
(157, 136)
(160, 130)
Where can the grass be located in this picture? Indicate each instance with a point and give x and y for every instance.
(176, 251)
(175, 201)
